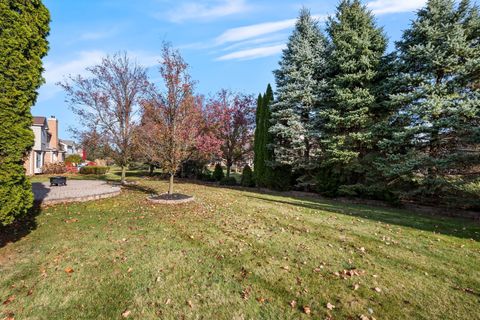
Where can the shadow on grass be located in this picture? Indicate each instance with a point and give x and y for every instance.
(20, 227)
(139, 188)
(457, 227)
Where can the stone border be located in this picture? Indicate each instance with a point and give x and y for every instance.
(164, 201)
(79, 199)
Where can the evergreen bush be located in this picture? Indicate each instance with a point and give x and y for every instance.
(24, 27)
(218, 173)
(247, 177)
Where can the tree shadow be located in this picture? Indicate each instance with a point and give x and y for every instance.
(20, 227)
(139, 188)
(452, 226)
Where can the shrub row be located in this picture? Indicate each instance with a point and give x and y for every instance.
(93, 170)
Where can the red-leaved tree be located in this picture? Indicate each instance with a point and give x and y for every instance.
(171, 117)
(231, 118)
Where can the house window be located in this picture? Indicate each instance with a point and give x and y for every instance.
(38, 158)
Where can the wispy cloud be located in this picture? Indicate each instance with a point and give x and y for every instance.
(194, 10)
(394, 6)
(267, 33)
(58, 71)
(253, 53)
(253, 31)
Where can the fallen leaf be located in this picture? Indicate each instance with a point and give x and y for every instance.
(126, 313)
(377, 289)
(68, 270)
(293, 304)
(306, 310)
(9, 299)
(330, 306)
(356, 286)
(190, 304)
(168, 301)
(261, 299)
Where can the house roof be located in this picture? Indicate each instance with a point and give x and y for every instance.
(67, 142)
(39, 121)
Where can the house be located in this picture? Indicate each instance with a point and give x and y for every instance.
(47, 148)
(70, 147)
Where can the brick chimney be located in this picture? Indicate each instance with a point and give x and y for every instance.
(53, 130)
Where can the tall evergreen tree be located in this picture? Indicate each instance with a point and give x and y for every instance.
(436, 131)
(352, 105)
(258, 156)
(299, 91)
(24, 26)
(268, 151)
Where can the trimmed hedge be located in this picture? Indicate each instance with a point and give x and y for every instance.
(93, 170)
(228, 181)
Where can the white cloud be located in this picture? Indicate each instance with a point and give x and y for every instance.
(57, 71)
(394, 6)
(256, 34)
(253, 31)
(256, 30)
(207, 11)
(253, 53)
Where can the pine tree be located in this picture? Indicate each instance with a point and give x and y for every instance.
(299, 91)
(436, 131)
(258, 157)
(24, 26)
(352, 105)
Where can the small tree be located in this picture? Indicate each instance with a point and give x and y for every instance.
(247, 177)
(233, 125)
(170, 122)
(218, 174)
(107, 103)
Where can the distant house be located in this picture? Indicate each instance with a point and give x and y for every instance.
(70, 147)
(46, 148)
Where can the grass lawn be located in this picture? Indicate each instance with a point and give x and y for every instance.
(236, 254)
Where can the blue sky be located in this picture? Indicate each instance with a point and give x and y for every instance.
(233, 44)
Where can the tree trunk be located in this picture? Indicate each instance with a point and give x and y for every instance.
(124, 173)
(151, 168)
(170, 185)
(229, 168)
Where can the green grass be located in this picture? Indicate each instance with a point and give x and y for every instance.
(236, 254)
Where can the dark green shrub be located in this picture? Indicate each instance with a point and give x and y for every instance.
(24, 27)
(218, 174)
(247, 177)
(74, 158)
(205, 175)
(228, 181)
(93, 170)
(281, 178)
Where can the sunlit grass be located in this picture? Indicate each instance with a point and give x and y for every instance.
(239, 255)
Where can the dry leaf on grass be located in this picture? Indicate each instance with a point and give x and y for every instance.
(293, 304)
(330, 306)
(68, 270)
(126, 313)
(306, 310)
(9, 299)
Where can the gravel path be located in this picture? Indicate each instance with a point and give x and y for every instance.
(74, 191)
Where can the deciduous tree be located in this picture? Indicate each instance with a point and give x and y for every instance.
(107, 102)
(171, 117)
(233, 125)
